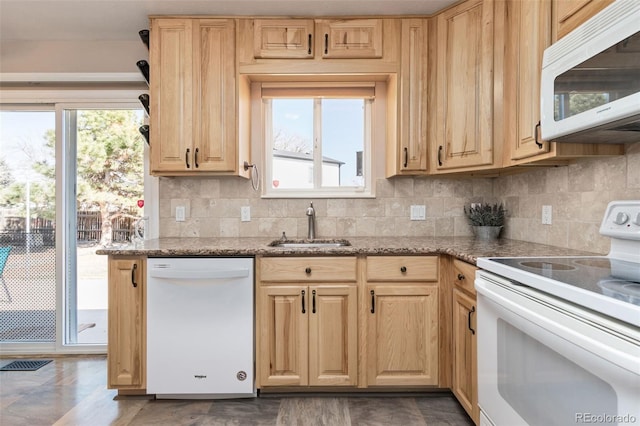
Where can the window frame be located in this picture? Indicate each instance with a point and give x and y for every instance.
(317, 91)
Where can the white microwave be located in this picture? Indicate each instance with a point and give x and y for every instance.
(590, 87)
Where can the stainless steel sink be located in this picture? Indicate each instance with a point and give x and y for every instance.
(309, 243)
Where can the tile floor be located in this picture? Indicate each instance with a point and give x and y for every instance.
(72, 391)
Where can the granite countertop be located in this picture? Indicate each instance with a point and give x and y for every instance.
(467, 249)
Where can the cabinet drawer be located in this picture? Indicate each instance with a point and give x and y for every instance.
(402, 268)
(304, 269)
(464, 274)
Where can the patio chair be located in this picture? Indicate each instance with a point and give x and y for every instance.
(4, 255)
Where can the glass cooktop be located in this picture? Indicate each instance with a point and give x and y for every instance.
(610, 277)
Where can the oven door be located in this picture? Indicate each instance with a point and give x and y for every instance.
(542, 361)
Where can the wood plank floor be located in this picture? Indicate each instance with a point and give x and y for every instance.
(72, 391)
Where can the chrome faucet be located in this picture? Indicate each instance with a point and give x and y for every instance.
(311, 213)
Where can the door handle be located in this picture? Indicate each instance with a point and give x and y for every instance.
(440, 155)
(304, 311)
(133, 275)
(309, 51)
(313, 302)
(373, 302)
(473, 309)
(195, 158)
(406, 157)
(186, 158)
(537, 131)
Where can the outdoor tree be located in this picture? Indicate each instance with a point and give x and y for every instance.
(284, 141)
(109, 164)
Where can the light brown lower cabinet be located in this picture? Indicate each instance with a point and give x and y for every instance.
(126, 353)
(402, 320)
(307, 333)
(402, 335)
(464, 340)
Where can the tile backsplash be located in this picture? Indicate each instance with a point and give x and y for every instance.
(578, 195)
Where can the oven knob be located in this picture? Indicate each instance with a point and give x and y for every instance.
(621, 218)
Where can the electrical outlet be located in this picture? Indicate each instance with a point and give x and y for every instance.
(418, 212)
(180, 213)
(547, 213)
(245, 214)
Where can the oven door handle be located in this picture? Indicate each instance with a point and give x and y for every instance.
(558, 323)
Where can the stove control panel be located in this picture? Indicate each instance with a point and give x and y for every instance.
(622, 220)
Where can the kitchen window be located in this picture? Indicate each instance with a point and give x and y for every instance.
(317, 140)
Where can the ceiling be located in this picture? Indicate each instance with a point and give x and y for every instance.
(122, 19)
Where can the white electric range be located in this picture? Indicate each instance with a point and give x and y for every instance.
(559, 337)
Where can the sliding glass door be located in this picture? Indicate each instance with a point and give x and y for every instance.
(27, 226)
(71, 181)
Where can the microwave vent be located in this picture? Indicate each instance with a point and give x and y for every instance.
(592, 29)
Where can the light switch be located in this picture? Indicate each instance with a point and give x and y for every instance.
(180, 213)
(245, 214)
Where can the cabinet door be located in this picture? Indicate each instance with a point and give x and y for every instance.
(464, 122)
(171, 94)
(529, 33)
(126, 351)
(214, 98)
(465, 376)
(402, 335)
(333, 337)
(283, 38)
(283, 328)
(411, 153)
(569, 14)
(351, 38)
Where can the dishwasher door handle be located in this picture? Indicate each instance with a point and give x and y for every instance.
(185, 274)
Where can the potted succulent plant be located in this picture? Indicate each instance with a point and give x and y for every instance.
(486, 220)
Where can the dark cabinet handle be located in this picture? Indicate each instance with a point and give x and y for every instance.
(403, 269)
(304, 311)
(195, 158)
(373, 302)
(309, 44)
(313, 302)
(461, 277)
(186, 158)
(307, 271)
(440, 155)
(473, 309)
(133, 275)
(326, 44)
(537, 131)
(406, 157)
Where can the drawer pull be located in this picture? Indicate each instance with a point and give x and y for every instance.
(461, 277)
(373, 302)
(473, 309)
(313, 302)
(307, 270)
(304, 311)
(309, 44)
(403, 269)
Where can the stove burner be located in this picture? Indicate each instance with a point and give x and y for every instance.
(548, 266)
(621, 290)
(596, 263)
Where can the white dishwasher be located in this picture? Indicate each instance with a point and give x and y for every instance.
(200, 327)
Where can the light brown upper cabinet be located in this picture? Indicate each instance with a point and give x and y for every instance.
(283, 38)
(302, 38)
(528, 34)
(568, 14)
(407, 119)
(195, 98)
(464, 105)
(350, 38)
